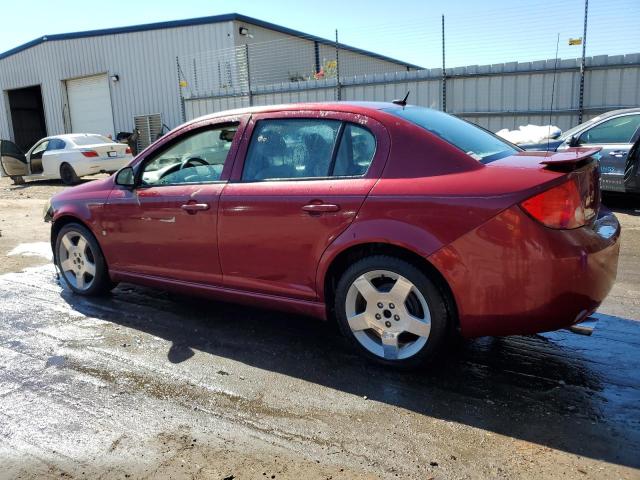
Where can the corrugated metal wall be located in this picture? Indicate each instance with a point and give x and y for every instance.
(145, 62)
(495, 96)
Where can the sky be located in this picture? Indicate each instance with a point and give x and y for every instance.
(477, 32)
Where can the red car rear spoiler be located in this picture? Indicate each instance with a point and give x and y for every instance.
(570, 159)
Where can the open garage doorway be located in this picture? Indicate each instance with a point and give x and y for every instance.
(27, 116)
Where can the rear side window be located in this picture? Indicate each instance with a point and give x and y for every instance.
(357, 148)
(56, 144)
(616, 130)
(474, 141)
(307, 148)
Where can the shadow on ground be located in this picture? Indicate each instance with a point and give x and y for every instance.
(44, 183)
(572, 393)
(622, 202)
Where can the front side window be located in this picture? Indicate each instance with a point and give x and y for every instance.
(39, 149)
(616, 130)
(198, 158)
(306, 148)
(474, 141)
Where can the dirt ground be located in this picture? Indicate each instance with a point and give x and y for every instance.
(146, 384)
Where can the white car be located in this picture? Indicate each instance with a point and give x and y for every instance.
(65, 157)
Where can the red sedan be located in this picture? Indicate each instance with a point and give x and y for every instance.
(404, 224)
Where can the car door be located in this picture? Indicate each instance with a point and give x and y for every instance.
(13, 163)
(34, 156)
(632, 169)
(615, 136)
(301, 181)
(50, 158)
(166, 226)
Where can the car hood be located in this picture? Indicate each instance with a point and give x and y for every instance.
(95, 189)
(550, 146)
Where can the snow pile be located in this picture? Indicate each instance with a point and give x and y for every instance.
(36, 249)
(530, 134)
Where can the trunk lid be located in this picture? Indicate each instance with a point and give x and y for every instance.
(107, 151)
(564, 161)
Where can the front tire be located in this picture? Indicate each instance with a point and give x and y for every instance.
(68, 174)
(391, 311)
(80, 261)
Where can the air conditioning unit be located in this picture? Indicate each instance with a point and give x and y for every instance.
(150, 128)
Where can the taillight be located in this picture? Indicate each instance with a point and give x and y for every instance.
(561, 207)
(128, 150)
(89, 153)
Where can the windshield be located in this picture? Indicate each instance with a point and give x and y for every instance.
(471, 139)
(82, 140)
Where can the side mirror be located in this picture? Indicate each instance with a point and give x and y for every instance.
(573, 141)
(126, 177)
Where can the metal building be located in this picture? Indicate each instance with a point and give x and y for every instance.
(108, 81)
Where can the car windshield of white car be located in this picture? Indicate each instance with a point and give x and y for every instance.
(82, 140)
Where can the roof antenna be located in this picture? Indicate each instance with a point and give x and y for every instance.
(403, 102)
(553, 91)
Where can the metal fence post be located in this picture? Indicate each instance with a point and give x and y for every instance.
(195, 78)
(183, 114)
(582, 64)
(444, 72)
(338, 89)
(246, 59)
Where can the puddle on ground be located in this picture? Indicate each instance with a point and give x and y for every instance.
(56, 361)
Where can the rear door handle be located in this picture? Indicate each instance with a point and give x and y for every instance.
(194, 207)
(321, 207)
(618, 153)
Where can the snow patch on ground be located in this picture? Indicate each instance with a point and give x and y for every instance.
(35, 249)
(530, 133)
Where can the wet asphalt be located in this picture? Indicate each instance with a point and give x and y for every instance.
(149, 384)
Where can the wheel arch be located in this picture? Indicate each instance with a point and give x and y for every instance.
(66, 219)
(353, 253)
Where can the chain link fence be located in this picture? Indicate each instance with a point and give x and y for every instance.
(495, 79)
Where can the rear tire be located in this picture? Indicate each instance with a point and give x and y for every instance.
(68, 174)
(80, 261)
(391, 312)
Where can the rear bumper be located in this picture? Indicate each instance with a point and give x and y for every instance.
(102, 165)
(513, 276)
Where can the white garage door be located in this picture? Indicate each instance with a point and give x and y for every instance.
(90, 105)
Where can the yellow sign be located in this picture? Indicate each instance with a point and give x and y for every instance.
(575, 41)
(183, 83)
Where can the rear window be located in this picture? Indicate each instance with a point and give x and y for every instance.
(474, 141)
(83, 140)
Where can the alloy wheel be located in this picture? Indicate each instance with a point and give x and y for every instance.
(77, 260)
(388, 314)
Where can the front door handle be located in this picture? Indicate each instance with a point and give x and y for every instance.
(321, 207)
(194, 207)
(618, 153)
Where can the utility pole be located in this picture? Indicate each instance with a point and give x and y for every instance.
(582, 64)
(444, 72)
